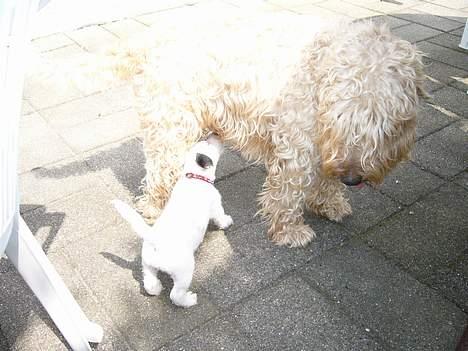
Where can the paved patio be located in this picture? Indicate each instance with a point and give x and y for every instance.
(393, 276)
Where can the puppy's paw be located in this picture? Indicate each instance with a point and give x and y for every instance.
(152, 285)
(225, 222)
(187, 300)
(191, 299)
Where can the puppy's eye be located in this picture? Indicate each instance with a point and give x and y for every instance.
(204, 161)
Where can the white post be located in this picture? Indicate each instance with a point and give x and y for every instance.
(16, 240)
(464, 40)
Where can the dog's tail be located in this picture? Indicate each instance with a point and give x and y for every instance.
(140, 227)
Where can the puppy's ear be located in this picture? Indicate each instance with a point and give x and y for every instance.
(214, 139)
(204, 161)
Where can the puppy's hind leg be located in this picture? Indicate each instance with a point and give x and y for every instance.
(182, 276)
(151, 281)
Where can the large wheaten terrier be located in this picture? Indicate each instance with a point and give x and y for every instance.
(321, 109)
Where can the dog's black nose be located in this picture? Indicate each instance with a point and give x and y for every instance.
(351, 180)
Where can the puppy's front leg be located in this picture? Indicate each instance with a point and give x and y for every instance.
(221, 219)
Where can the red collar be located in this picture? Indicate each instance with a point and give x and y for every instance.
(197, 176)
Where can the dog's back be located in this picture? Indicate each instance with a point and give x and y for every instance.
(187, 213)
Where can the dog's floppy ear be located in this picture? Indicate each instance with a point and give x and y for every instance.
(204, 161)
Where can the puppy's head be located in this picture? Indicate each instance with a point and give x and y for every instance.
(203, 157)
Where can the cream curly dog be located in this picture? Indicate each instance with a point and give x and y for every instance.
(321, 109)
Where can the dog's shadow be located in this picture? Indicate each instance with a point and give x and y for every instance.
(137, 274)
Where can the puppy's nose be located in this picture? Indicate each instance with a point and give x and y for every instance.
(351, 179)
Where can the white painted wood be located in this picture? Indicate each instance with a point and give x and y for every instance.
(16, 240)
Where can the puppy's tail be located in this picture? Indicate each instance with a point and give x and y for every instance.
(134, 219)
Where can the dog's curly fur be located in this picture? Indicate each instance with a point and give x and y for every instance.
(339, 101)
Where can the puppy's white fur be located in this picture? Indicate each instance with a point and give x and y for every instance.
(169, 245)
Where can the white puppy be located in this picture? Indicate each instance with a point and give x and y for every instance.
(169, 245)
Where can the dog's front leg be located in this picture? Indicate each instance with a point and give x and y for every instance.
(282, 203)
(326, 198)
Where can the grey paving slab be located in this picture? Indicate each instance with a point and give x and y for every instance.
(93, 38)
(21, 312)
(431, 84)
(389, 7)
(442, 74)
(230, 162)
(218, 334)
(43, 185)
(452, 282)
(125, 28)
(407, 183)
(369, 207)
(28, 326)
(458, 31)
(39, 144)
(239, 194)
(59, 55)
(452, 100)
(98, 132)
(251, 241)
(70, 219)
(121, 166)
(453, 4)
(443, 152)
(461, 83)
(442, 11)
(292, 3)
(428, 235)
(436, 22)
(442, 54)
(148, 322)
(415, 32)
(26, 108)
(401, 311)
(229, 270)
(462, 179)
(292, 316)
(3, 342)
(51, 42)
(448, 40)
(431, 118)
(88, 108)
(391, 22)
(347, 9)
(315, 10)
(44, 90)
(234, 265)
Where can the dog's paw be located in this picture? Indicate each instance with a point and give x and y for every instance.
(293, 235)
(225, 222)
(152, 285)
(334, 211)
(338, 210)
(187, 300)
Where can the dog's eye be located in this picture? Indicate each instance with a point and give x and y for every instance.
(204, 161)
